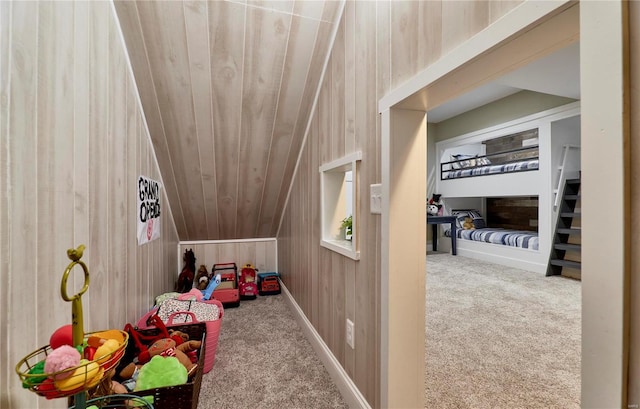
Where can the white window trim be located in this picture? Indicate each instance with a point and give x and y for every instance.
(346, 248)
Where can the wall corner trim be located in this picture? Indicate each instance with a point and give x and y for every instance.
(348, 389)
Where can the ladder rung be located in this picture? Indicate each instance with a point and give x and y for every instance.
(563, 230)
(566, 246)
(566, 263)
(569, 214)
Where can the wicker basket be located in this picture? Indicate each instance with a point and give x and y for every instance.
(84, 375)
(183, 396)
(118, 401)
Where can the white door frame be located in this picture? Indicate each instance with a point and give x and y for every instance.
(605, 132)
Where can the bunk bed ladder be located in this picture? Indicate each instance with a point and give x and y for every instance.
(565, 251)
(564, 170)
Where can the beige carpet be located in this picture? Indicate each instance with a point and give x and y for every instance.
(263, 360)
(498, 337)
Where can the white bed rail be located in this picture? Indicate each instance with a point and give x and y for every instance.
(568, 168)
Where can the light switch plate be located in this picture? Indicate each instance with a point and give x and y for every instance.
(376, 199)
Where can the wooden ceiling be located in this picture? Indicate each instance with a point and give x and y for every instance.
(227, 88)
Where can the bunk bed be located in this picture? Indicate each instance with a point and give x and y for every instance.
(527, 157)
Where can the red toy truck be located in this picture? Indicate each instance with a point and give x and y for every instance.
(227, 291)
(268, 283)
(247, 284)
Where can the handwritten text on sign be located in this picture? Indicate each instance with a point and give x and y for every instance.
(148, 210)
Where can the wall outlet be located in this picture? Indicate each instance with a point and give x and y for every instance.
(350, 334)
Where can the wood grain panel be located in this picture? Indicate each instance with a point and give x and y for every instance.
(430, 33)
(264, 55)
(130, 23)
(366, 100)
(118, 186)
(309, 93)
(132, 292)
(227, 27)
(71, 143)
(21, 142)
(498, 9)
(312, 9)
(348, 21)
(5, 51)
(98, 260)
(294, 76)
(404, 32)
(634, 96)
(332, 11)
(197, 26)
(285, 6)
(165, 39)
(324, 119)
(461, 20)
(262, 254)
(337, 96)
(54, 153)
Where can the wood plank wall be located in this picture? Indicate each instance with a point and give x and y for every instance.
(72, 144)
(262, 254)
(378, 46)
(634, 320)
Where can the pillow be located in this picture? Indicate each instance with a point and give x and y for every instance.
(460, 216)
(476, 217)
(465, 161)
(468, 161)
(454, 165)
(483, 161)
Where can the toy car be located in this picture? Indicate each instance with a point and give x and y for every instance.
(227, 291)
(247, 283)
(268, 283)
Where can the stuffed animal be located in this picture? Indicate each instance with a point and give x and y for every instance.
(166, 347)
(434, 207)
(161, 372)
(468, 224)
(202, 278)
(185, 279)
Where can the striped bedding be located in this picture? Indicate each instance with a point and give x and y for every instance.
(492, 169)
(514, 238)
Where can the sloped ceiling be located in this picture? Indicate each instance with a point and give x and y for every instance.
(227, 88)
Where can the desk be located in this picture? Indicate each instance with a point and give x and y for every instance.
(434, 221)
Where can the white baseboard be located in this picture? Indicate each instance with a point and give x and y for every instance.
(348, 389)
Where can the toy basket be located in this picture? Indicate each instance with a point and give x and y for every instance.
(73, 381)
(183, 396)
(180, 312)
(119, 401)
(81, 378)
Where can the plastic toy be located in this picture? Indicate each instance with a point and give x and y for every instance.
(268, 283)
(213, 283)
(227, 291)
(247, 283)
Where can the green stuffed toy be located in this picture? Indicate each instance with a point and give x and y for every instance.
(159, 372)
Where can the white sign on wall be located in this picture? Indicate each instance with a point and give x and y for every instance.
(148, 210)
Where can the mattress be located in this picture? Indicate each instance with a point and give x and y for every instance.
(530, 164)
(513, 238)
